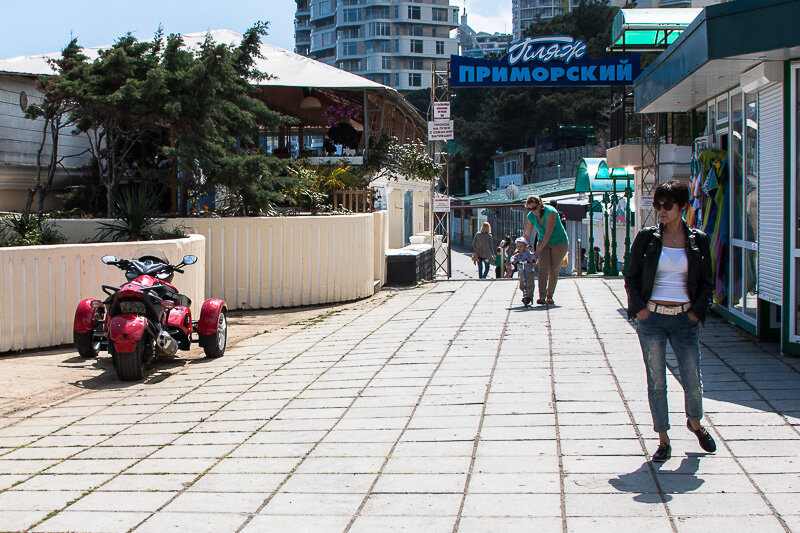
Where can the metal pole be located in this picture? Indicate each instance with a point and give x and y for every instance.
(466, 181)
(628, 196)
(606, 254)
(613, 269)
(591, 268)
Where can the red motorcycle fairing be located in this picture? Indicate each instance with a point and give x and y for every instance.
(84, 316)
(180, 317)
(148, 281)
(209, 315)
(125, 331)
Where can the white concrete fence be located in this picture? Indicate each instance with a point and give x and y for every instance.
(40, 286)
(251, 263)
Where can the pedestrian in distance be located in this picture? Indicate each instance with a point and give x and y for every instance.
(483, 249)
(508, 251)
(498, 262)
(553, 244)
(669, 285)
(523, 262)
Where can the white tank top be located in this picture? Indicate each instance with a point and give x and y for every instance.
(671, 274)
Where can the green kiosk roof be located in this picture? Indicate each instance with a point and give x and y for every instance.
(719, 46)
(649, 30)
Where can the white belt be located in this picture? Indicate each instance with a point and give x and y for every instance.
(668, 309)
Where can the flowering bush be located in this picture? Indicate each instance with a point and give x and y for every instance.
(336, 114)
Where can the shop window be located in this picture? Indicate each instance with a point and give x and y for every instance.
(750, 305)
(722, 110)
(751, 167)
(735, 164)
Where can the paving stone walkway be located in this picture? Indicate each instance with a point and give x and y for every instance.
(447, 408)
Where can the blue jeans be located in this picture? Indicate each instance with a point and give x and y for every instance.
(683, 335)
(483, 268)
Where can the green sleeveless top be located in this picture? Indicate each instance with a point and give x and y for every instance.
(559, 234)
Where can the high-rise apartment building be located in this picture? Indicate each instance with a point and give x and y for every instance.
(481, 44)
(527, 12)
(392, 42)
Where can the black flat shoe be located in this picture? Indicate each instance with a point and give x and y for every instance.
(540, 301)
(550, 301)
(663, 453)
(704, 438)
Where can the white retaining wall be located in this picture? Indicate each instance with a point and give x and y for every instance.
(40, 286)
(264, 262)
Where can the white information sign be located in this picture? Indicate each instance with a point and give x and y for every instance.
(441, 203)
(441, 110)
(440, 130)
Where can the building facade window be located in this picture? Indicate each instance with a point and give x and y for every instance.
(386, 63)
(439, 48)
(415, 79)
(351, 15)
(415, 46)
(415, 64)
(414, 13)
(439, 15)
(349, 49)
(380, 29)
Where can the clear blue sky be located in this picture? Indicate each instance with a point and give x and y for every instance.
(47, 25)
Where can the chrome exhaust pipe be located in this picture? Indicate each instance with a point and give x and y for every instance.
(165, 344)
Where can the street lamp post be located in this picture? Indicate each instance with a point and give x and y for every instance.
(606, 255)
(591, 267)
(628, 196)
(613, 270)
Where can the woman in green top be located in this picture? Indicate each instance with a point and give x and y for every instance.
(553, 244)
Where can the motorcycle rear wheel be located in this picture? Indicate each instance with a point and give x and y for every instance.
(132, 366)
(87, 347)
(214, 344)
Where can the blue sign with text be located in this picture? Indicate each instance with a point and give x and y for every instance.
(553, 61)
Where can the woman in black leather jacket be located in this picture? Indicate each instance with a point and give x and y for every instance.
(669, 284)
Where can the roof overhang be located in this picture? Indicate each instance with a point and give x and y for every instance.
(649, 30)
(724, 41)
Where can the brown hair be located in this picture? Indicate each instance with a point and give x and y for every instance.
(533, 198)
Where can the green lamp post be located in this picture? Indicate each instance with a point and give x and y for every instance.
(591, 267)
(628, 196)
(613, 270)
(606, 255)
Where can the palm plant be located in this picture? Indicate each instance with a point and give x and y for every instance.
(134, 220)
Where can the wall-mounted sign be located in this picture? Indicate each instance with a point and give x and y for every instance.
(441, 203)
(440, 130)
(441, 110)
(553, 61)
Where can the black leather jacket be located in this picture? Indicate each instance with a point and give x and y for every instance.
(645, 254)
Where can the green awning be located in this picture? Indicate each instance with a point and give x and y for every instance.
(649, 30)
(710, 57)
(595, 176)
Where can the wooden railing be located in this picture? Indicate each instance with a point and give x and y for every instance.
(354, 201)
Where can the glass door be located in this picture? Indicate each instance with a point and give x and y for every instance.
(794, 169)
(743, 279)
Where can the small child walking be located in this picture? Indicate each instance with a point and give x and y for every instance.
(498, 263)
(523, 261)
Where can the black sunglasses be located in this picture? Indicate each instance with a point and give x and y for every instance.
(533, 205)
(666, 204)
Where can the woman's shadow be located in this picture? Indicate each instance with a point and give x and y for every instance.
(681, 480)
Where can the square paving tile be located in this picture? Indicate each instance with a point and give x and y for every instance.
(198, 522)
(298, 524)
(91, 522)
